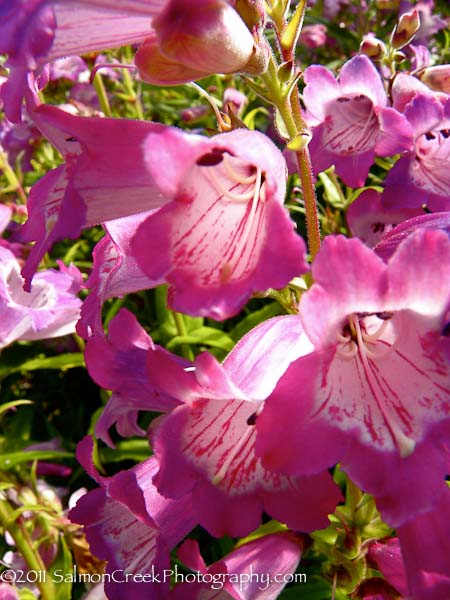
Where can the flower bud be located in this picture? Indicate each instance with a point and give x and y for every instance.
(406, 29)
(251, 12)
(437, 78)
(193, 40)
(373, 48)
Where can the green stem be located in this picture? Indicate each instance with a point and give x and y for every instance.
(182, 331)
(25, 546)
(134, 98)
(12, 177)
(102, 95)
(295, 127)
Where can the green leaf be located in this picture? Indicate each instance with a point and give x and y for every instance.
(61, 568)
(8, 405)
(62, 361)
(332, 193)
(205, 336)
(26, 594)
(255, 318)
(12, 459)
(136, 450)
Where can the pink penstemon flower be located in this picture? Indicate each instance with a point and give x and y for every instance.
(373, 394)
(351, 121)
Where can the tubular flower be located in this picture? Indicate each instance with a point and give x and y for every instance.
(90, 187)
(221, 232)
(374, 393)
(207, 444)
(128, 524)
(350, 120)
(50, 309)
(193, 40)
(273, 557)
(225, 234)
(423, 177)
(118, 362)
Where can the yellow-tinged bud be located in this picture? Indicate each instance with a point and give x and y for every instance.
(437, 78)
(373, 48)
(406, 29)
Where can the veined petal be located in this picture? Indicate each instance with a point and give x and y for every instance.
(115, 272)
(212, 445)
(359, 76)
(391, 240)
(132, 527)
(353, 276)
(225, 234)
(119, 363)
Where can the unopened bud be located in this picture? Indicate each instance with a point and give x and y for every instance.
(373, 48)
(406, 29)
(437, 78)
(399, 57)
(285, 71)
(251, 12)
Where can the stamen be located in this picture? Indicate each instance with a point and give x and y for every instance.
(235, 176)
(374, 337)
(351, 350)
(256, 195)
(228, 194)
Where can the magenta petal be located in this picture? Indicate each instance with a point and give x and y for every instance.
(392, 239)
(115, 272)
(400, 191)
(359, 76)
(389, 560)
(189, 553)
(119, 537)
(402, 486)
(119, 363)
(424, 113)
(226, 234)
(424, 544)
(321, 87)
(222, 514)
(128, 524)
(422, 285)
(395, 133)
(306, 445)
(369, 221)
(89, 27)
(305, 506)
(256, 370)
(353, 170)
(56, 211)
(356, 287)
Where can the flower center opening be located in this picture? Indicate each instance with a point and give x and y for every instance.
(351, 126)
(370, 337)
(428, 169)
(364, 334)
